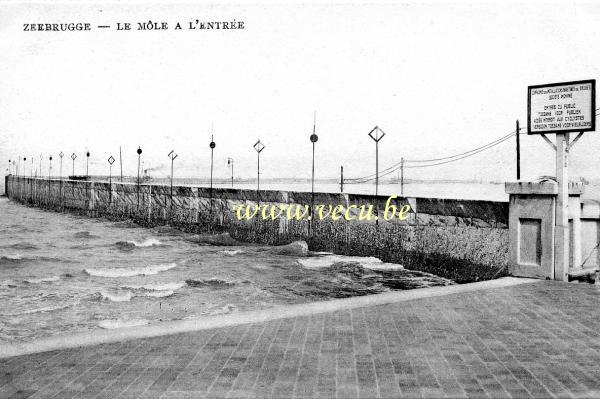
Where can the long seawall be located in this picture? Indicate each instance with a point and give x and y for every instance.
(459, 239)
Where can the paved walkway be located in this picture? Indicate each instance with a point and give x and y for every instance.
(531, 340)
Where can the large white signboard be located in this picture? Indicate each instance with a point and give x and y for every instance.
(562, 107)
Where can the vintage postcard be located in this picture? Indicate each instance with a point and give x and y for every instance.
(262, 199)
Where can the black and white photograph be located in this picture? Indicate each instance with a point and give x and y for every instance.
(300, 199)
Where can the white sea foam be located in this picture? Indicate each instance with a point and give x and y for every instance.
(150, 242)
(231, 252)
(130, 271)
(157, 286)
(157, 294)
(42, 280)
(112, 297)
(368, 262)
(131, 292)
(158, 290)
(112, 324)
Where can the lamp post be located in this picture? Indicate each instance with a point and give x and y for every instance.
(139, 153)
(60, 182)
(313, 138)
(258, 146)
(9, 167)
(230, 164)
(212, 146)
(87, 164)
(111, 160)
(376, 134)
(73, 157)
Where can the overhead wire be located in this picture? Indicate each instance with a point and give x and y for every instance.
(436, 161)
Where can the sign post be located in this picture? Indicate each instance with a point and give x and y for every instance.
(139, 153)
(517, 135)
(258, 146)
(562, 108)
(172, 155)
(212, 146)
(73, 157)
(111, 160)
(376, 134)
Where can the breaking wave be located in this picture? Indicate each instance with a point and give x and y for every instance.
(231, 252)
(157, 294)
(368, 262)
(129, 245)
(296, 248)
(130, 271)
(115, 297)
(112, 324)
(150, 242)
(156, 287)
(157, 290)
(41, 280)
(126, 296)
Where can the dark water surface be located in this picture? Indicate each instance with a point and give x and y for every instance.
(65, 273)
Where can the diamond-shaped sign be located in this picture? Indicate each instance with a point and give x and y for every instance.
(376, 134)
(61, 154)
(73, 156)
(172, 155)
(258, 146)
(111, 160)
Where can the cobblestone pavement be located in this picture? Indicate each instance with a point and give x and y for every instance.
(530, 340)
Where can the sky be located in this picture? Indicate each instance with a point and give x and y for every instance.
(438, 78)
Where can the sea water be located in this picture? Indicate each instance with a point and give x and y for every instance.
(63, 273)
